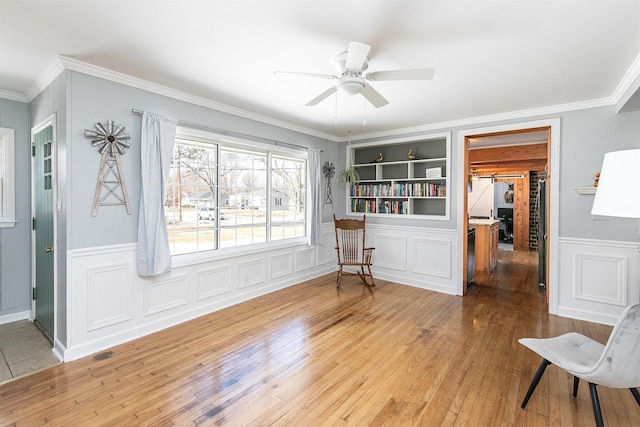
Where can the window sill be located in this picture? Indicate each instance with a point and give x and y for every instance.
(186, 260)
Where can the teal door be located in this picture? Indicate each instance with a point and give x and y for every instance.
(42, 223)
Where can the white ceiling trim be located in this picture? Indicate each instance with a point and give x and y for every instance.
(13, 96)
(630, 77)
(628, 86)
(472, 121)
(62, 62)
(52, 72)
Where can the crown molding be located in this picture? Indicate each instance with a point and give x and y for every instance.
(63, 62)
(629, 85)
(13, 96)
(474, 121)
(114, 76)
(52, 72)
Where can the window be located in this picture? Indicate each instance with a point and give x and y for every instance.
(227, 194)
(7, 182)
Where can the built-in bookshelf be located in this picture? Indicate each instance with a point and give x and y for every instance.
(397, 185)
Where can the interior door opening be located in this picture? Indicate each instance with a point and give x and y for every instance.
(508, 209)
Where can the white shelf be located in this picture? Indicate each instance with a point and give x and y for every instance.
(585, 190)
(398, 171)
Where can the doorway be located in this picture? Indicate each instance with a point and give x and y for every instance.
(43, 196)
(512, 163)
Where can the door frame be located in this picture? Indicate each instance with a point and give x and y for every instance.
(553, 190)
(49, 121)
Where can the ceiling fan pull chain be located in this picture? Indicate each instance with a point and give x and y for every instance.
(364, 112)
(335, 118)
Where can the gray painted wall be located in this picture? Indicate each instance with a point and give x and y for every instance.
(586, 135)
(96, 100)
(16, 241)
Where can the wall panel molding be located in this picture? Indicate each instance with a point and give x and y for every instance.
(433, 257)
(326, 251)
(600, 278)
(213, 281)
(109, 295)
(164, 295)
(280, 265)
(591, 272)
(390, 252)
(250, 272)
(304, 259)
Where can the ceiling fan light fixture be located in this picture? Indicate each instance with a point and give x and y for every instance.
(350, 87)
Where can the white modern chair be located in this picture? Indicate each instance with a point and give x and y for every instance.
(616, 365)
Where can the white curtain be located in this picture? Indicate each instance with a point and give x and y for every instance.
(156, 145)
(315, 197)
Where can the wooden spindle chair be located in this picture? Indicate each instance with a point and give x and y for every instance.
(350, 245)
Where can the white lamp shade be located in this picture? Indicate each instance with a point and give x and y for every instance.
(618, 192)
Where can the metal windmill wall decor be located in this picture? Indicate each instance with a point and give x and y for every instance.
(111, 141)
(329, 170)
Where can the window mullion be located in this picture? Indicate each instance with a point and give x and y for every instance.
(268, 195)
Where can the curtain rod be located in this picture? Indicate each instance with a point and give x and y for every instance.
(231, 133)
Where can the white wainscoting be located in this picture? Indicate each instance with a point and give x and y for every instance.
(597, 278)
(109, 304)
(413, 256)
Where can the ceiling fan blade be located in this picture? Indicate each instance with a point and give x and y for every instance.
(356, 55)
(322, 96)
(373, 96)
(319, 76)
(417, 74)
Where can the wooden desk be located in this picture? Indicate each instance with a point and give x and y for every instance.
(486, 243)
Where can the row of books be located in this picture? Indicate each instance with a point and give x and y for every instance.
(398, 207)
(407, 189)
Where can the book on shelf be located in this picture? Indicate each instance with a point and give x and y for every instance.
(399, 189)
(396, 207)
(363, 205)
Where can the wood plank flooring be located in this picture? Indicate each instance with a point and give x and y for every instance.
(314, 355)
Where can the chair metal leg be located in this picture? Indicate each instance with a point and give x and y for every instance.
(597, 413)
(535, 381)
(576, 380)
(635, 393)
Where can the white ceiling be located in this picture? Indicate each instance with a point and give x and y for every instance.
(491, 58)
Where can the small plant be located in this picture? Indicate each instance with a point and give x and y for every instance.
(348, 175)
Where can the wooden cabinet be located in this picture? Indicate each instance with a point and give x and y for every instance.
(486, 247)
(397, 185)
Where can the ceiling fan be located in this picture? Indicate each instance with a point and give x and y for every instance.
(351, 65)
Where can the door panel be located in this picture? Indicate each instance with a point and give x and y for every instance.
(42, 179)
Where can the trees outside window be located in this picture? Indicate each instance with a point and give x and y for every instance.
(223, 195)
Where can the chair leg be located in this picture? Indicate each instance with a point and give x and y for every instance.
(339, 277)
(635, 393)
(596, 405)
(535, 381)
(576, 380)
(373, 284)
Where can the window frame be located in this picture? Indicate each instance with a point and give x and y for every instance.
(7, 178)
(226, 141)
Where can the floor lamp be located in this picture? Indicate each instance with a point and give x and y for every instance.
(618, 192)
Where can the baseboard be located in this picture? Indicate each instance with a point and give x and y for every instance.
(588, 316)
(14, 317)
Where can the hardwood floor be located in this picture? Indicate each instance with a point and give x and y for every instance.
(315, 355)
(517, 271)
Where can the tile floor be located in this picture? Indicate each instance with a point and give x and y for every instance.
(23, 350)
